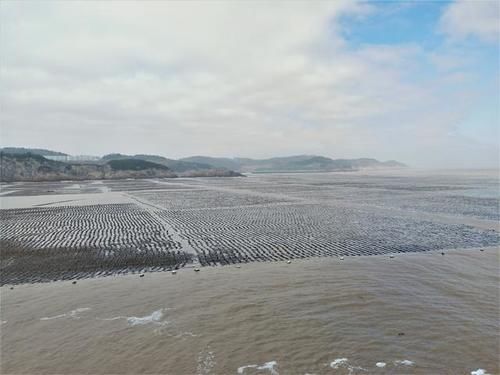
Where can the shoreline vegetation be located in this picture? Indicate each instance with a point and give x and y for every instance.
(27, 164)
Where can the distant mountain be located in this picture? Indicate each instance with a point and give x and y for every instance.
(366, 163)
(394, 164)
(225, 163)
(33, 167)
(299, 163)
(36, 151)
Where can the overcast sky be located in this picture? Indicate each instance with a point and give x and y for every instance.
(416, 82)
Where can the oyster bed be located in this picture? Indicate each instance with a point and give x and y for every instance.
(54, 243)
(77, 229)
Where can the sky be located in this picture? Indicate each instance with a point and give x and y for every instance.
(416, 82)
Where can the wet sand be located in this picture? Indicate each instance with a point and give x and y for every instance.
(421, 313)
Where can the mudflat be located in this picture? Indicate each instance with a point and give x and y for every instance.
(75, 230)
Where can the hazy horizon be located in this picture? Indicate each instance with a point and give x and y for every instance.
(416, 82)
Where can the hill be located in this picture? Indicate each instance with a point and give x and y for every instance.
(33, 167)
(226, 163)
(174, 165)
(25, 164)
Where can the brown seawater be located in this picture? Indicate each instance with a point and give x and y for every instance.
(421, 313)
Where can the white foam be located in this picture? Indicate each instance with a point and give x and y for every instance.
(344, 362)
(404, 362)
(182, 334)
(154, 317)
(241, 369)
(72, 314)
(53, 317)
(269, 366)
(380, 364)
(266, 366)
(113, 318)
(479, 371)
(339, 362)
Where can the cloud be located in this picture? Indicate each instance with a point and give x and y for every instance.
(479, 18)
(220, 78)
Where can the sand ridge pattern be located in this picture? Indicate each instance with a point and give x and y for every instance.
(53, 243)
(157, 224)
(282, 232)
